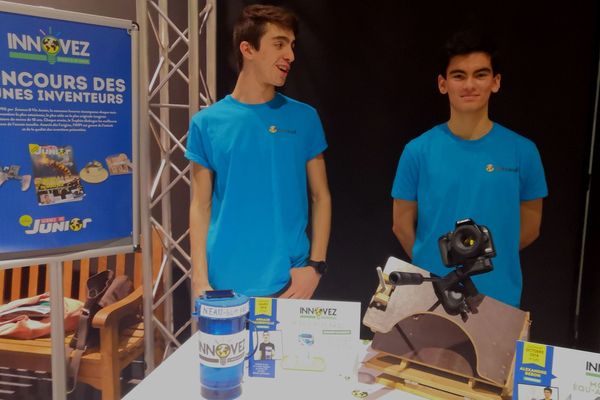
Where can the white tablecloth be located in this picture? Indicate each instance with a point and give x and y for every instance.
(178, 378)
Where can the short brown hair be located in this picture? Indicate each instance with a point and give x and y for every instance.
(251, 26)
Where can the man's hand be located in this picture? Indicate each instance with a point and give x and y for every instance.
(531, 220)
(304, 282)
(405, 222)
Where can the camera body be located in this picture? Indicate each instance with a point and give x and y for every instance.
(465, 245)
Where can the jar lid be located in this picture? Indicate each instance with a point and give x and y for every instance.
(221, 304)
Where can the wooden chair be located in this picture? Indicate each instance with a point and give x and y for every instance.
(100, 367)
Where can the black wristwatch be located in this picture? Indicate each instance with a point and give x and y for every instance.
(319, 266)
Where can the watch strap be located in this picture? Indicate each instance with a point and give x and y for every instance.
(319, 266)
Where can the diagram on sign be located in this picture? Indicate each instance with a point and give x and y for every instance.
(12, 172)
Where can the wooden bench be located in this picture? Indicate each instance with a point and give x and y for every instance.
(100, 367)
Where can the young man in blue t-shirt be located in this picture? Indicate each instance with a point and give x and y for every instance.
(470, 167)
(253, 154)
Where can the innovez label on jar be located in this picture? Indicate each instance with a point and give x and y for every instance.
(222, 351)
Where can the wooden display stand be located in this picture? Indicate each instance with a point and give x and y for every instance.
(424, 350)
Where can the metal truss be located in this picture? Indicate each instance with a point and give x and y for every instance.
(169, 62)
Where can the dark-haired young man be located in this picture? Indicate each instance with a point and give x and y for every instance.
(470, 167)
(253, 154)
(547, 393)
(266, 348)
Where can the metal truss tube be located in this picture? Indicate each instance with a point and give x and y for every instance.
(163, 13)
(166, 77)
(165, 138)
(165, 129)
(181, 74)
(194, 58)
(171, 244)
(179, 39)
(57, 330)
(144, 123)
(165, 194)
(193, 89)
(165, 297)
(181, 174)
(211, 49)
(158, 105)
(187, 324)
(156, 72)
(153, 26)
(156, 180)
(155, 134)
(166, 332)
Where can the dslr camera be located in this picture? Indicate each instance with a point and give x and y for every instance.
(468, 249)
(467, 244)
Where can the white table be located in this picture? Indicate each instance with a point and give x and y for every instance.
(179, 378)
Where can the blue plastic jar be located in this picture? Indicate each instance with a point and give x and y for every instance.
(221, 319)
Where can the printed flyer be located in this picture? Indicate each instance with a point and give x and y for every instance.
(303, 335)
(55, 176)
(545, 372)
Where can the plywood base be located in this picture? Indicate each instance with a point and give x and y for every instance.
(429, 382)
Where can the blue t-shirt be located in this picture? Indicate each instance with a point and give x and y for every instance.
(258, 154)
(486, 180)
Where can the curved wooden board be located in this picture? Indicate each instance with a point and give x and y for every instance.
(482, 346)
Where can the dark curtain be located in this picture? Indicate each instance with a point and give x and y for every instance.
(370, 69)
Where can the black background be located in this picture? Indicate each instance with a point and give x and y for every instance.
(370, 69)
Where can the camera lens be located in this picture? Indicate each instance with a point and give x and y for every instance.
(466, 241)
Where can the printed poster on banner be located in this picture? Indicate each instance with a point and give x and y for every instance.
(66, 172)
(545, 372)
(55, 176)
(303, 335)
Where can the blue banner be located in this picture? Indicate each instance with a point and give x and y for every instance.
(66, 126)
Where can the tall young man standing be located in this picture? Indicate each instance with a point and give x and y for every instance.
(470, 167)
(253, 153)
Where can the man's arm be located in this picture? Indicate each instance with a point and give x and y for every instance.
(531, 220)
(199, 220)
(405, 220)
(321, 207)
(306, 279)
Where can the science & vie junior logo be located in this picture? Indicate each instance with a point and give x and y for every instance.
(51, 47)
(53, 224)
